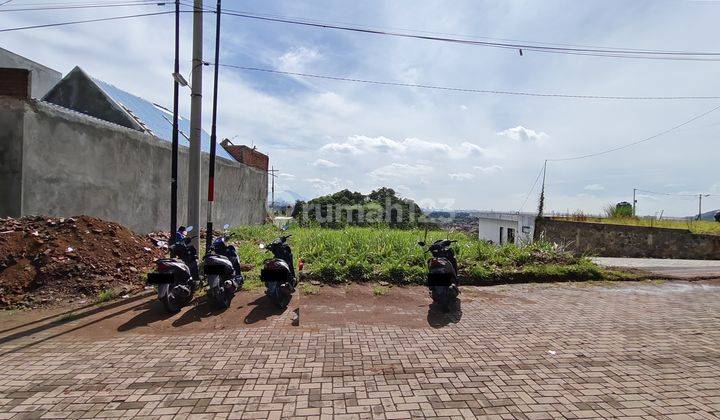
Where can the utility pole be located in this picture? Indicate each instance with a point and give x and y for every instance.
(272, 175)
(541, 206)
(195, 121)
(176, 88)
(699, 207)
(634, 201)
(213, 137)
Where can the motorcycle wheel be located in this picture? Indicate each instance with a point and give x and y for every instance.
(171, 303)
(441, 297)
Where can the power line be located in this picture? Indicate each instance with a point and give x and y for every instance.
(654, 136)
(470, 90)
(676, 194)
(48, 25)
(87, 6)
(542, 168)
(600, 52)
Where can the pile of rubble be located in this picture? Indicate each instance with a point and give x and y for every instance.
(47, 260)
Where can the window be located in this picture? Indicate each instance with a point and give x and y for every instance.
(501, 239)
(511, 236)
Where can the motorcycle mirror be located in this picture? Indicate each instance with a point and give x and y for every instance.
(261, 246)
(421, 243)
(189, 229)
(225, 226)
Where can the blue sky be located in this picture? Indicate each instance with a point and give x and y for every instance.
(443, 149)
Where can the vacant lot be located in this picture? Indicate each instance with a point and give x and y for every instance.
(363, 254)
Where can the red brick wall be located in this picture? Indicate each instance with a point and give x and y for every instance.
(246, 155)
(15, 83)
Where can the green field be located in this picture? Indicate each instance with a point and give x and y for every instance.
(370, 254)
(695, 226)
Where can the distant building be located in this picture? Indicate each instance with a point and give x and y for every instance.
(91, 148)
(246, 155)
(82, 93)
(506, 227)
(42, 78)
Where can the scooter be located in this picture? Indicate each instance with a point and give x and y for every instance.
(222, 269)
(278, 273)
(178, 277)
(442, 273)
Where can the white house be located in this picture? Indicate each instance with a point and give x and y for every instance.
(506, 227)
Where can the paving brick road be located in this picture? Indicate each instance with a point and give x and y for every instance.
(533, 351)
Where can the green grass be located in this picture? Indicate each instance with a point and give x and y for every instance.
(106, 296)
(72, 316)
(695, 226)
(360, 254)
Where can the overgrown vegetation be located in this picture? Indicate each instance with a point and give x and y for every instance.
(381, 207)
(106, 296)
(360, 254)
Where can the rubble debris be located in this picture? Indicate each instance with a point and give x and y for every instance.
(44, 260)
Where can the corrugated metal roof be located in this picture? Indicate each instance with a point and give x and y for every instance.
(156, 119)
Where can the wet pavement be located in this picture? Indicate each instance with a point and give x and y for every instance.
(572, 350)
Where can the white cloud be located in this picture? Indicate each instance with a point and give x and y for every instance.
(521, 133)
(286, 175)
(488, 169)
(325, 186)
(461, 176)
(594, 187)
(297, 59)
(401, 170)
(471, 149)
(340, 148)
(322, 163)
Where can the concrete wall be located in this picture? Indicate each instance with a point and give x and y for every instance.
(74, 164)
(629, 241)
(42, 78)
(11, 131)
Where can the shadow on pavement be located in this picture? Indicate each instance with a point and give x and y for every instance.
(437, 318)
(264, 309)
(151, 311)
(201, 309)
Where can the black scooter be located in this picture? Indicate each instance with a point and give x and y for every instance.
(178, 277)
(278, 273)
(222, 269)
(442, 273)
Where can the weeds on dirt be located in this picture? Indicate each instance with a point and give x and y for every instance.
(360, 254)
(380, 290)
(106, 296)
(72, 316)
(309, 289)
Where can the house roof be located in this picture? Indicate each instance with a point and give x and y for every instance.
(121, 106)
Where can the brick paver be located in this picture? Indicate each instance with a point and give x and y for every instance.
(535, 352)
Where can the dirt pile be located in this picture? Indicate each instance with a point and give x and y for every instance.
(47, 260)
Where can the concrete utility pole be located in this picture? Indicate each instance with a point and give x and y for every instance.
(699, 206)
(195, 122)
(272, 175)
(634, 201)
(174, 164)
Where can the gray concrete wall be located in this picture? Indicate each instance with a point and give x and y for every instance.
(604, 240)
(42, 78)
(75, 165)
(11, 135)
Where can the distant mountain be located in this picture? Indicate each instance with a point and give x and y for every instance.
(710, 215)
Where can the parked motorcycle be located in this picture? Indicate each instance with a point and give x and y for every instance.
(278, 273)
(442, 273)
(178, 277)
(222, 269)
